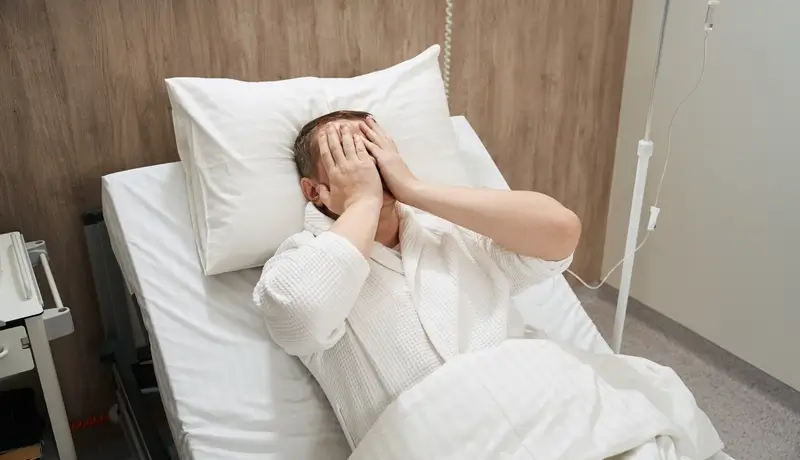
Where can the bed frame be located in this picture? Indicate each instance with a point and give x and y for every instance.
(131, 365)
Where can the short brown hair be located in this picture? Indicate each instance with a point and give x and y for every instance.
(306, 150)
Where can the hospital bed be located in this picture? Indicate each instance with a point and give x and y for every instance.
(227, 390)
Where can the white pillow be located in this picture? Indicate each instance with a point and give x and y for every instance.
(235, 141)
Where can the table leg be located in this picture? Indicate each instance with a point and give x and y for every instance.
(40, 347)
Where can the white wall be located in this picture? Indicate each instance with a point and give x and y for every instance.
(724, 260)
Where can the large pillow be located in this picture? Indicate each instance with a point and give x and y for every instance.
(235, 141)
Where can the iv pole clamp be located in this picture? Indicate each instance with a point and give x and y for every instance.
(643, 152)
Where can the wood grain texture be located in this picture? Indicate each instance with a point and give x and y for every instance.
(82, 95)
(541, 83)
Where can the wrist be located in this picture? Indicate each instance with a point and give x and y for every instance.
(411, 192)
(365, 203)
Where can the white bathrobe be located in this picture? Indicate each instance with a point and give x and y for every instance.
(369, 330)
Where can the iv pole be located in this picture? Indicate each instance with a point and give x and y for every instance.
(644, 152)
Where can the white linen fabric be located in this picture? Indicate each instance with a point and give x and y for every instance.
(254, 400)
(537, 400)
(235, 141)
(229, 392)
(367, 336)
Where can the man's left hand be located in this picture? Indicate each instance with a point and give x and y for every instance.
(394, 171)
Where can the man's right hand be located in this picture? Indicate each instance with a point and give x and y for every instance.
(351, 170)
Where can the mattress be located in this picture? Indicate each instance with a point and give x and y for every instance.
(228, 391)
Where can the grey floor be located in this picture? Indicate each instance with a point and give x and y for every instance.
(757, 417)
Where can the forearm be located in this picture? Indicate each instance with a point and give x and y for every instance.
(358, 224)
(528, 223)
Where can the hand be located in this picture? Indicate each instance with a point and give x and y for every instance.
(351, 171)
(398, 178)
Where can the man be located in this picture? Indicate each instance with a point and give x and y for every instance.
(375, 296)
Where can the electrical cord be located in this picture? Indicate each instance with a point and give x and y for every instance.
(613, 269)
(675, 115)
(663, 173)
(448, 44)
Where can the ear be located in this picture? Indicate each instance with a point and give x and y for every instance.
(309, 187)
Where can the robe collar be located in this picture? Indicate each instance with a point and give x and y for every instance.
(316, 222)
(434, 316)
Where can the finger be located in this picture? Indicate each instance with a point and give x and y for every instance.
(388, 140)
(371, 134)
(361, 149)
(372, 123)
(374, 149)
(325, 152)
(335, 145)
(369, 145)
(348, 144)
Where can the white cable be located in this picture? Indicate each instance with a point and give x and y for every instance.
(675, 115)
(613, 269)
(448, 43)
(663, 172)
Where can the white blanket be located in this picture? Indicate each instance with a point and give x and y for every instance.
(535, 399)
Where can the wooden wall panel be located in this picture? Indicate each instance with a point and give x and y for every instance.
(82, 95)
(540, 82)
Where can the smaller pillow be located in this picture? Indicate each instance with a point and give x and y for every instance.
(235, 142)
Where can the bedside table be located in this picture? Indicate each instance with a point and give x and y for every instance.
(24, 342)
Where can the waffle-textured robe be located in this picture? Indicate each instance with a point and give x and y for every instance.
(370, 329)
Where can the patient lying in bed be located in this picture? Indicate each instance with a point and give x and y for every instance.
(375, 296)
(346, 295)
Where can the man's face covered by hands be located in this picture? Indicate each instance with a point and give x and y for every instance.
(312, 187)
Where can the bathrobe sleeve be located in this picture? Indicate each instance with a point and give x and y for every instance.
(522, 271)
(307, 290)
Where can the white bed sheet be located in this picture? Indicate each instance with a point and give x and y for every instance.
(228, 391)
